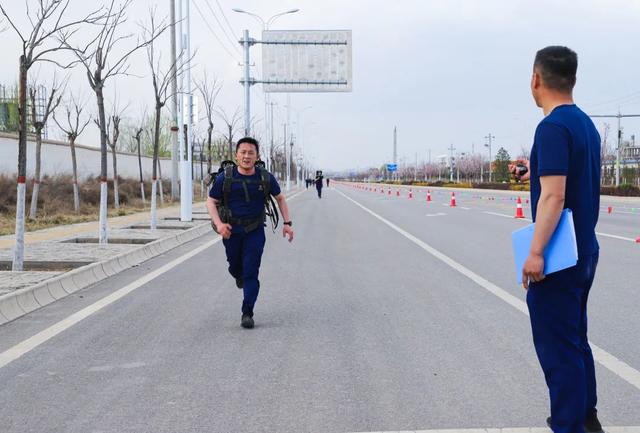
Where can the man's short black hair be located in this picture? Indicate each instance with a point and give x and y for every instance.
(249, 140)
(557, 65)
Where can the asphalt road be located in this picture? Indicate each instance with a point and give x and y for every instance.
(384, 314)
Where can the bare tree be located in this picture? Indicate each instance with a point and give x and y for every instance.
(102, 63)
(113, 133)
(137, 138)
(232, 124)
(161, 81)
(39, 121)
(47, 22)
(209, 91)
(73, 128)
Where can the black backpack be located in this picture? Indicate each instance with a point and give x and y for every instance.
(270, 208)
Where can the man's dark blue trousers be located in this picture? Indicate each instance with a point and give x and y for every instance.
(558, 311)
(244, 253)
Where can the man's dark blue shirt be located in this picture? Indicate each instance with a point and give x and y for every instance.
(238, 204)
(567, 144)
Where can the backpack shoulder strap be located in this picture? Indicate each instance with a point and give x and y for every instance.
(226, 184)
(265, 180)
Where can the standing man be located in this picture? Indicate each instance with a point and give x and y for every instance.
(318, 181)
(241, 225)
(565, 173)
(327, 182)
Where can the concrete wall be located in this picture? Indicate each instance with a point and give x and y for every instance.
(56, 159)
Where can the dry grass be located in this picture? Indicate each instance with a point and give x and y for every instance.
(55, 201)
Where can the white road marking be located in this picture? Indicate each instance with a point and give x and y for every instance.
(465, 208)
(616, 366)
(632, 429)
(31, 343)
(622, 238)
(436, 214)
(606, 235)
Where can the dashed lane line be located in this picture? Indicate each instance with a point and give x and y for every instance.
(607, 360)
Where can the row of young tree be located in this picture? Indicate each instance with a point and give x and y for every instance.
(464, 168)
(100, 46)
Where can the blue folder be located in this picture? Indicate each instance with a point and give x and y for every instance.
(560, 253)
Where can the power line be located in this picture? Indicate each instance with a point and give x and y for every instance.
(225, 17)
(234, 44)
(214, 33)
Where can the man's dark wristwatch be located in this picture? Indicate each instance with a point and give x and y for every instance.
(288, 223)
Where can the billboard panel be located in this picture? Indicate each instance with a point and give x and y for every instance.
(306, 60)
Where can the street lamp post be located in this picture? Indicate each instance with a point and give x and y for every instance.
(267, 112)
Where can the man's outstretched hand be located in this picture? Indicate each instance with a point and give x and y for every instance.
(513, 169)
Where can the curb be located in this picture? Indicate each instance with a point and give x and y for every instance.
(23, 301)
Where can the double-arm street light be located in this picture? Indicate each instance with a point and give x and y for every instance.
(265, 26)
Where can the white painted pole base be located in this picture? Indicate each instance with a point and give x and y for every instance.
(18, 252)
(186, 193)
(76, 198)
(33, 211)
(103, 213)
(159, 182)
(154, 204)
(144, 200)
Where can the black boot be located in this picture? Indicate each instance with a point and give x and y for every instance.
(247, 321)
(591, 423)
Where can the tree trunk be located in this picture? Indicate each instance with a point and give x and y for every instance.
(154, 169)
(37, 176)
(74, 166)
(154, 205)
(209, 132)
(103, 163)
(160, 186)
(18, 252)
(116, 195)
(144, 201)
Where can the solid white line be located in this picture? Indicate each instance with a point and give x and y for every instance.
(618, 367)
(436, 214)
(631, 429)
(606, 235)
(622, 238)
(31, 343)
(465, 208)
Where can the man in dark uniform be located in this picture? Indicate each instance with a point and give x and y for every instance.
(327, 182)
(565, 173)
(318, 181)
(243, 232)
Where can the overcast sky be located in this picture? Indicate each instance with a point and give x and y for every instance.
(443, 72)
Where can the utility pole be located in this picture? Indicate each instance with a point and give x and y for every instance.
(451, 149)
(286, 139)
(185, 148)
(395, 150)
(619, 116)
(175, 166)
(488, 144)
(247, 84)
(415, 169)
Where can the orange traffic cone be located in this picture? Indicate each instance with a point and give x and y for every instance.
(519, 213)
(382, 189)
(398, 193)
(428, 195)
(453, 199)
(389, 191)
(410, 193)
(638, 240)
(610, 209)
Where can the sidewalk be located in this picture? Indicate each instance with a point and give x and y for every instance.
(61, 260)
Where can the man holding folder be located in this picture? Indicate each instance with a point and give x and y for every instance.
(565, 173)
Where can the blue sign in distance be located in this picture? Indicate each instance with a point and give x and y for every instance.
(392, 167)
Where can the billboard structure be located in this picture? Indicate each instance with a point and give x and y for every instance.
(306, 61)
